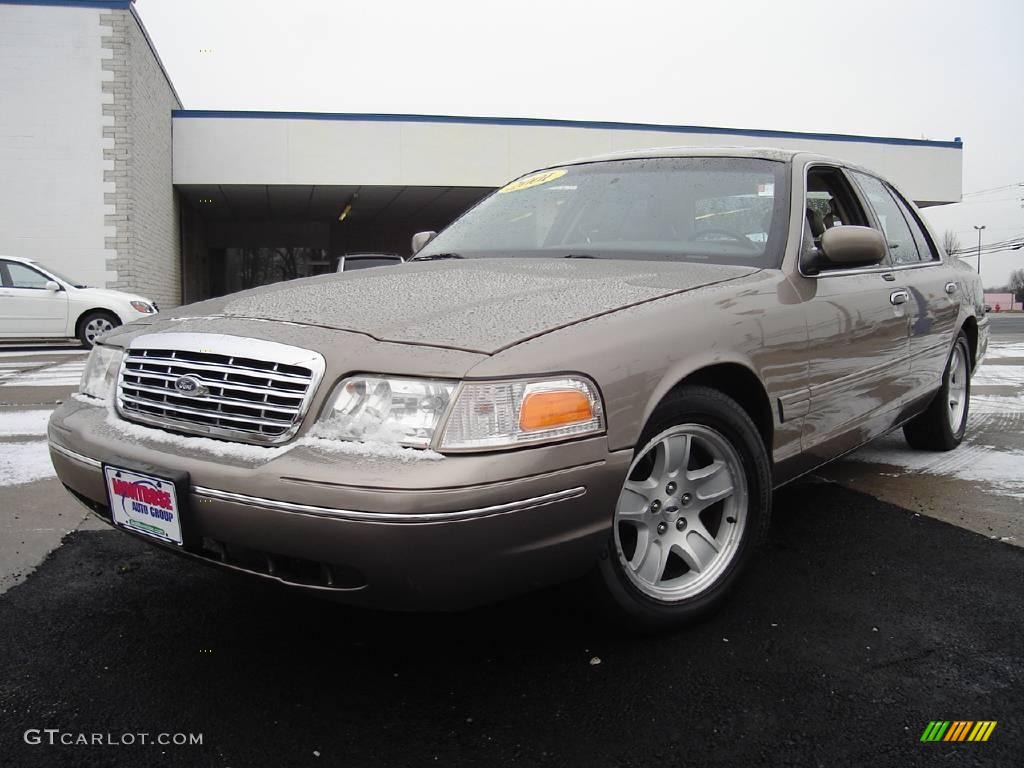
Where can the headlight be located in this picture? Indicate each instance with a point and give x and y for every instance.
(100, 372)
(474, 415)
(142, 306)
(504, 414)
(390, 410)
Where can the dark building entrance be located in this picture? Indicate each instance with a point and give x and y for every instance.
(241, 236)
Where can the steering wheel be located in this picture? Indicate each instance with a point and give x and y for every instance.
(731, 235)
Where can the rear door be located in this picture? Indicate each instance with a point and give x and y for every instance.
(27, 307)
(858, 329)
(933, 285)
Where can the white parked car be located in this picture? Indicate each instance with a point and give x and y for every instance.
(38, 303)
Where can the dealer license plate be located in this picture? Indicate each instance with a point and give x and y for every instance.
(144, 503)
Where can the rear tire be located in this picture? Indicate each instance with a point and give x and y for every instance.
(94, 325)
(694, 505)
(942, 425)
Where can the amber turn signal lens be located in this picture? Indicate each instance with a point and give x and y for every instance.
(543, 410)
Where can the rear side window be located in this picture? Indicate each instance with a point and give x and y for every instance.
(24, 277)
(924, 243)
(902, 245)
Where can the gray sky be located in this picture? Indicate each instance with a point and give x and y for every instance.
(932, 70)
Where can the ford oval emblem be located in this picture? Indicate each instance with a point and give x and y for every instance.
(189, 386)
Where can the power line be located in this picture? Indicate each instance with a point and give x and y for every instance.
(1008, 198)
(992, 189)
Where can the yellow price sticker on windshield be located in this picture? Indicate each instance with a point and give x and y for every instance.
(533, 180)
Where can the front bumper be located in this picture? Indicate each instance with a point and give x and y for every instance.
(380, 532)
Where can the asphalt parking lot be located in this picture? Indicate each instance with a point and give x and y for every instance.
(888, 597)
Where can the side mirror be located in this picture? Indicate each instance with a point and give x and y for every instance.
(420, 240)
(849, 246)
(52, 286)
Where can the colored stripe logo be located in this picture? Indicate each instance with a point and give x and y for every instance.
(958, 730)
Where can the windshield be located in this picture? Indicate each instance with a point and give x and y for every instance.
(365, 262)
(59, 276)
(721, 210)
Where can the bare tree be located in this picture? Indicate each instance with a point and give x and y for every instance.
(1016, 284)
(950, 242)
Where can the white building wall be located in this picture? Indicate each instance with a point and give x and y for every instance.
(51, 140)
(266, 149)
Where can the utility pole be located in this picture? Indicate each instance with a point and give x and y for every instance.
(979, 245)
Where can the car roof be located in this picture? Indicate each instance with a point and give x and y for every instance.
(763, 153)
(766, 153)
(18, 258)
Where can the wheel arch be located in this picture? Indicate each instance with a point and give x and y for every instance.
(732, 378)
(93, 310)
(970, 329)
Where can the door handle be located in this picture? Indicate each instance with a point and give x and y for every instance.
(899, 297)
(951, 287)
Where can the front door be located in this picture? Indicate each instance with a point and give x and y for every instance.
(858, 328)
(27, 307)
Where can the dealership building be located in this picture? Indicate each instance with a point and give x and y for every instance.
(105, 175)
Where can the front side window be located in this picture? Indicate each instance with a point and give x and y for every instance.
(22, 276)
(902, 246)
(701, 209)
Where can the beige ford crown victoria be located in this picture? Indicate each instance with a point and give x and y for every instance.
(604, 368)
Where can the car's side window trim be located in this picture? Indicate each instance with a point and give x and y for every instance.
(869, 216)
(5, 279)
(915, 224)
(10, 279)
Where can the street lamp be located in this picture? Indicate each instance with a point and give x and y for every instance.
(979, 245)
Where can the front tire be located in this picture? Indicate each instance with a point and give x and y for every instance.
(94, 325)
(942, 425)
(695, 503)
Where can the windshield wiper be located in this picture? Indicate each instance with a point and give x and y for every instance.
(436, 256)
(580, 256)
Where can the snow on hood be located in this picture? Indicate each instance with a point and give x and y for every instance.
(480, 305)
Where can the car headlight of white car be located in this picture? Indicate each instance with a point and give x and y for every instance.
(100, 372)
(144, 306)
(458, 417)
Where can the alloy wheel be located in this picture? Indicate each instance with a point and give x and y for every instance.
(680, 515)
(96, 328)
(957, 389)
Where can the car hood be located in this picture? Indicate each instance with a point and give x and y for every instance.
(476, 305)
(107, 294)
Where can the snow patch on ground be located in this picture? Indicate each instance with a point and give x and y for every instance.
(982, 464)
(999, 375)
(42, 353)
(992, 468)
(997, 350)
(62, 375)
(25, 462)
(996, 404)
(18, 423)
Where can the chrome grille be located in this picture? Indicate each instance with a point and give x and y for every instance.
(244, 389)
